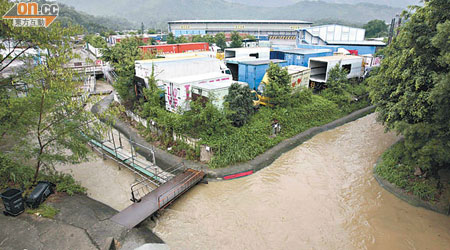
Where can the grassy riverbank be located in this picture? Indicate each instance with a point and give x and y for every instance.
(395, 167)
(231, 144)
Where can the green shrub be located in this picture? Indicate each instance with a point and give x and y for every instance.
(396, 168)
(64, 183)
(254, 138)
(14, 174)
(21, 176)
(425, 190)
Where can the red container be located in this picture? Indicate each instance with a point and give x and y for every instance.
(175, 48)
(192, 47)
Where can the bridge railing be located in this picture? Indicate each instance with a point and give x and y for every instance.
(141, 188)
(189, 181)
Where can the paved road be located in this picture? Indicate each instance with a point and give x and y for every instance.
(82, 223)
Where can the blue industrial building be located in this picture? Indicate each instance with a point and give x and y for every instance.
(362, 48)
(262, 29)
(252, 72)
(301, 56)
(335, 37)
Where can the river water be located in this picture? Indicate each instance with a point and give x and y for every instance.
(320, 195)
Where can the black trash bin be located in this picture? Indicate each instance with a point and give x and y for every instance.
(42, 190)
(13, 201)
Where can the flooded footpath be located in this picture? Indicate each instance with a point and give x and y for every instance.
(105, 180)
(320, 195)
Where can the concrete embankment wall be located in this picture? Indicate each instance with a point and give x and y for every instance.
(166, 160)
(409, 198)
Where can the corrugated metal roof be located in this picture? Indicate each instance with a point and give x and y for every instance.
(194, 78)
(249, 49)
(334, 58)
(243, 21)
(262, 62)
(214, 85)
(366, 43)
(306, 51)
(173, 59)
(294, 69)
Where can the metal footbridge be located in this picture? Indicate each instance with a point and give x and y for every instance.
(158, 199)
(154, 188)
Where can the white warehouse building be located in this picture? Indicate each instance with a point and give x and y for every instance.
(264, 29)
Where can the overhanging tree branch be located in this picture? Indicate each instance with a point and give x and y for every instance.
(12, 60)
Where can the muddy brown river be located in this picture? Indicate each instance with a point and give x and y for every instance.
(320, 195)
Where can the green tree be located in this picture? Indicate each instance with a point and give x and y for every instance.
(198, 39)
(47, 123)
(337, 86)
(209, 39)
(337, 79)
(181, 39)
(122, 57)
(171, 38)
(376, 28)
(236, 40)
(250, 37)
(220, 40)
(205, 120)
(152, 105)
(151, 31)
(411, 89)
(96, 41)
(151, 41)
(240, 103)
(278, 89)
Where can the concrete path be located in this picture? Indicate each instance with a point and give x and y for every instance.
(82, 223)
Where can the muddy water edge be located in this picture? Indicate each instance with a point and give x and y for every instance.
(320, 195)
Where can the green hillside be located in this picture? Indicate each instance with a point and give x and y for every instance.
(92, 24)
(158, 12)
(277, 3)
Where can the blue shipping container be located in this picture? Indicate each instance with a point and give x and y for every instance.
(276, 54)
(253, 72)
(301, 57)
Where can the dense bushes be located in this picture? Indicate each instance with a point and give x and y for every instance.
(237, 144)
(240, 103)
(396, 168)
(348, 94)
(255, 137)
(13, 174)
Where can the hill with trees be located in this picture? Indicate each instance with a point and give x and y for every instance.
(278, 3)
(92, 24)
(156, 13)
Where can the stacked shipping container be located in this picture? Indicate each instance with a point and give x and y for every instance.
(175, 48)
